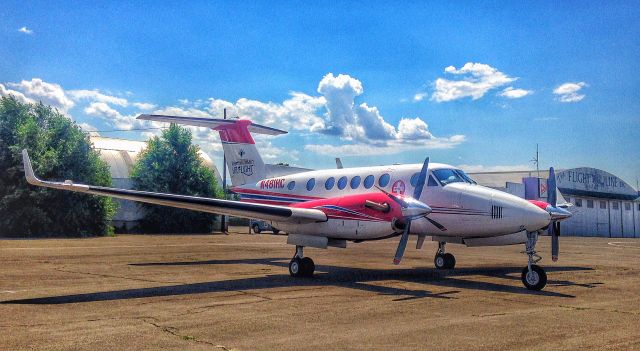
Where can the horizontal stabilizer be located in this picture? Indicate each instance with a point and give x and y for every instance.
(210, 123)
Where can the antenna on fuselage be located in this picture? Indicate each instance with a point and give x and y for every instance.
(339, 163)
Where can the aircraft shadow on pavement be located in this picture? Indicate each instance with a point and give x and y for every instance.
(327, 275)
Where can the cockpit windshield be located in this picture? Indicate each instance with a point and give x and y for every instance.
(448, 176)
(465, 176)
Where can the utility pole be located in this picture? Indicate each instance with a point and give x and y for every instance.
(223, 218)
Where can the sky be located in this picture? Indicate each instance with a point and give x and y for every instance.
(472, 84)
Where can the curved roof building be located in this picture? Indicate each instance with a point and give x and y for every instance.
(121, 155)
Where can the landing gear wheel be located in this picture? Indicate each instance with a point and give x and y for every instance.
(295, 267)
(307, 267)
(440, 262)
(256, 229)
(450, 261)
(536, 279)
(276, 231)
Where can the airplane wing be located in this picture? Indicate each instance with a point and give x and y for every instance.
(203, 204)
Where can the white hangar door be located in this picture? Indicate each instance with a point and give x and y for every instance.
(615, 219)
(602, 218)
(627, 219)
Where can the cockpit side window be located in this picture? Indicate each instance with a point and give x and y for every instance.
(447, 176)
(432, 181)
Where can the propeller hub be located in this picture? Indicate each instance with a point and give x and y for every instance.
(558, 213)
(414, 208)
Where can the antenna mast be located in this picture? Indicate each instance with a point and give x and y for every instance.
(536, 160)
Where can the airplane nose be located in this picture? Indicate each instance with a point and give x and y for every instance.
(534, 217)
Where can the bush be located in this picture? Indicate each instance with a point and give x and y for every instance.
(59, 150)
(171, 164)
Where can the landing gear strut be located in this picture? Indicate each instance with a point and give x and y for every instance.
(444, 260)
(533, 276)
(301, 266)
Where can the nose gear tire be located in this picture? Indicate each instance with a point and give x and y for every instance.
(536, 279)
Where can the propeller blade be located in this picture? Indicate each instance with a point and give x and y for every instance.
(555, 246)
(436, 224)
(552, 196)
(403, 243)
(421, 179)
(396, 199)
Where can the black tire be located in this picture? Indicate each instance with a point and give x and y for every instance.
(537, 280)
(276, 231)
(308, 267)
(440, 262)
(296, 268)
(256, 229)
(450, 261)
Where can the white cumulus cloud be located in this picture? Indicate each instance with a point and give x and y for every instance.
(419, 97)
(18, 95)
(512, 93)
(476, 79)
(48, 93)
(570, 92)
(25, 30)
(95, 95)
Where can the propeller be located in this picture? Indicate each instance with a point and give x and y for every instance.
(412, 208)
(557, 214)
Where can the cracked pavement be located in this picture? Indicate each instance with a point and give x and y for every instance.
(218, 292)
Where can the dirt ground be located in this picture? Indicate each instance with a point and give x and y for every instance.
(234, 292)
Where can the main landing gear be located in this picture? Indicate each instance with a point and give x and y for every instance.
(444, 260)
(301, 266)
(533, 276)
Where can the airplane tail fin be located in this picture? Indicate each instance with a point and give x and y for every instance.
(243, 159)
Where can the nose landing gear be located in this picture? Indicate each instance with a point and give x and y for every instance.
(444, 260)
(533, 276)
(301, 266)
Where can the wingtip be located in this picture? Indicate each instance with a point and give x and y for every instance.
(28, 169)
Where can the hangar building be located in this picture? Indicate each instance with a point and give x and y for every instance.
(603, 204)
(121, 155)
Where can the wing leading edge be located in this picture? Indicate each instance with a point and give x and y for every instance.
(203, 204)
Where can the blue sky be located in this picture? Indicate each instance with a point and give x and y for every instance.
(471, 83)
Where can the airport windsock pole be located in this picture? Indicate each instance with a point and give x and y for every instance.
(224, 184)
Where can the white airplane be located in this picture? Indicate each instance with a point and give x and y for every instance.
(327, 208)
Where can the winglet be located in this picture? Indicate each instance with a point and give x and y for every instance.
(33, 180)
(28, 169)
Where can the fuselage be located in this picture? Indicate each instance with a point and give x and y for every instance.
(466, 209)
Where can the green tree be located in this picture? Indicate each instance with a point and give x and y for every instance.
(59, 150)
(171, 164)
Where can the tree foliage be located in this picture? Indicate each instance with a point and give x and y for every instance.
(59, 150)
(171, 164)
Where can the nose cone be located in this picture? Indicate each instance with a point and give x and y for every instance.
(534, 217)
(415, 208)
(558, 213)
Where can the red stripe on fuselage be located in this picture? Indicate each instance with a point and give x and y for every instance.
(237, 132)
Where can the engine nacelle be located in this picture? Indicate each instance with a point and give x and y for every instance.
(398, 225)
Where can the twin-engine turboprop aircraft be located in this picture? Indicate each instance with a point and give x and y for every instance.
(330, 207)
